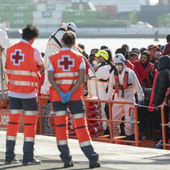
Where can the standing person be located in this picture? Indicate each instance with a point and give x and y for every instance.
(91, 60)
(122, 84)
(161, 85)
(102, 76)
(124, 52)
(144, 69)
(4, 44)
(152, 50)
(66, 72)
(166, 49)
(127, 47)
(22, 64)
(133, 57)
(54, 45)
(157, 56)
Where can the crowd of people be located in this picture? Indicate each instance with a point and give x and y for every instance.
(129, 75)
(122, 75)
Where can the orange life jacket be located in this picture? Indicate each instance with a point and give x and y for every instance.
(125, 82)
(66, 65)
(21, 68)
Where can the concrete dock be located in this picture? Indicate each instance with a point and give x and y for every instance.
(112, 156)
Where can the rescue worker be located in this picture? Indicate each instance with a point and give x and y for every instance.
(54, 45)
(66, 72)
(122, 84)
(23, 63)
(102, 75)
(4, 44)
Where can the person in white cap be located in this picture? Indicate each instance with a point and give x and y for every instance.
(4, 44)
(54, 45)
(122, 84)
(102, 75)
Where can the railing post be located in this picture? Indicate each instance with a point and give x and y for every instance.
(110, 122)
(136, 126)
(86, 109)
(163, 126)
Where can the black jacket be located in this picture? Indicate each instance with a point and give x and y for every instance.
(162, 80)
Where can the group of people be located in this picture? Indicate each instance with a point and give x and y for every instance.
(127, 78)
(64, 68)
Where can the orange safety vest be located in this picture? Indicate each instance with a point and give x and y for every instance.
(66, 65)
(21, 68)
(125, 82)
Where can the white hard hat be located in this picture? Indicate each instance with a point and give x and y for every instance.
(72, 26)
(119, 58)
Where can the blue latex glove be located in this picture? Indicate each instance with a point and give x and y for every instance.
(69, 93)
(63, 96)
(141, 102)
(67, 97)
(61, 93)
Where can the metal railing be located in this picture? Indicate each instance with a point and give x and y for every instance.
(110, 121)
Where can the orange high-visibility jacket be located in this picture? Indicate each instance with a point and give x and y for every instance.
(21, 68)
(66, 65)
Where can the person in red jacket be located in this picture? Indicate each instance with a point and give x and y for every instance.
(66, 71)
(166, 50)
(144, 69)
(22, 64)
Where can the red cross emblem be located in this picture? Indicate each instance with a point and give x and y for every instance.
(66, 63)
(17, 57)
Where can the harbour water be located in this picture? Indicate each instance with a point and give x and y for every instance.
(112, 43)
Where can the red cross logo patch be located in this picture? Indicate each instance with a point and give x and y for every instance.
(17, 57)
(66, 63)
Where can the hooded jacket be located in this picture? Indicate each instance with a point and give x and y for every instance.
(162, 80)
(144, 71)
